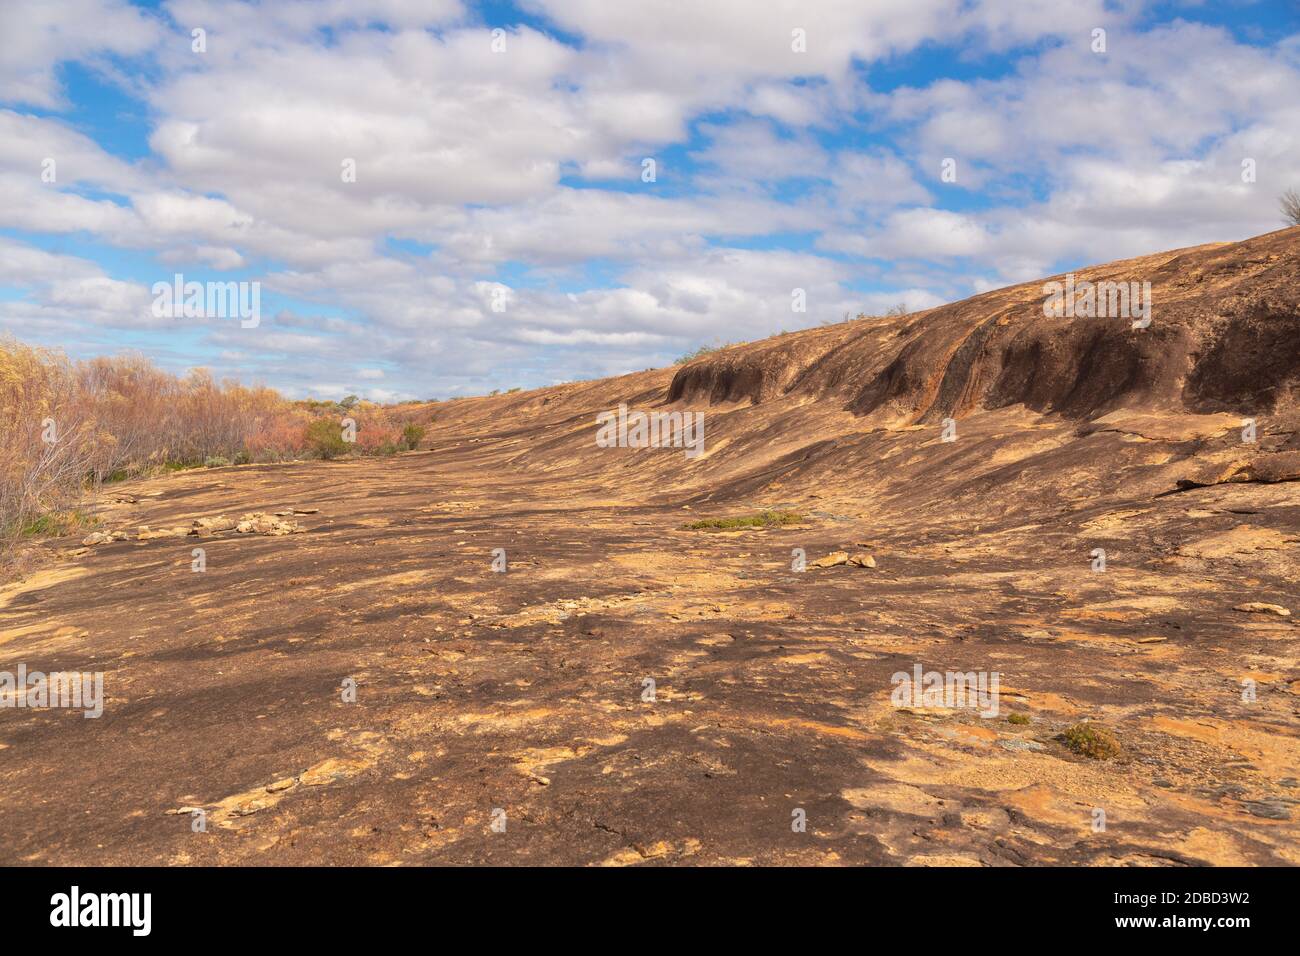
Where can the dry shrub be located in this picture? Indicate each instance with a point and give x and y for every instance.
(111, 418)
(278, 437)
(42, 396)
(377, 433)
(1290, 202)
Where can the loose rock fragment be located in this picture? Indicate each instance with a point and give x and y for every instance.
(1267, 469)
(1267, 809)
(145, 533)
(103, 537)
(248, 807)
(259, 522)
(328, 771)
(1279, 466)
(1258, 607)
(203, 527)
(1017, 744)
(832, 559)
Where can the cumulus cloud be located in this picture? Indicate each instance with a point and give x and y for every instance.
(38, 36)
(446, 210)
(67, 294)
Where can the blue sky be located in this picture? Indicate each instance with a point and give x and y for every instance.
(500, 231)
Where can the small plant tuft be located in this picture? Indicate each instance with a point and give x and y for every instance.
(412, 434)
(702, 351)
(1089, 740)
(764, 519)
(57, 524)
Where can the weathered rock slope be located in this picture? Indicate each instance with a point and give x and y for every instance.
(525, 692)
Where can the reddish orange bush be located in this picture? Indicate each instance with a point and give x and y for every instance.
(377, 433)
(66, 427)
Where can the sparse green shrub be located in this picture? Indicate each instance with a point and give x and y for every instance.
(324, 439)
(897, 311)
(215, 461)
(56, 524)
(698, 353)
(412, 435)
(1017, 718)
(764, 519)
(1089, 740)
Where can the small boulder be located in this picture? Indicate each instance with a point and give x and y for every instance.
(148, 534)
(259, 522)
(1267, 809)
(862, 561)
(1275, 467)
(103, 537)
(204, 527)
(1257, 607)
(832, 559)
(1015, 743)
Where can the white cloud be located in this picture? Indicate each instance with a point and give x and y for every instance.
(1067, 155)
(67, 292)
(917, 233)
(38, 35)
(876, 179)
